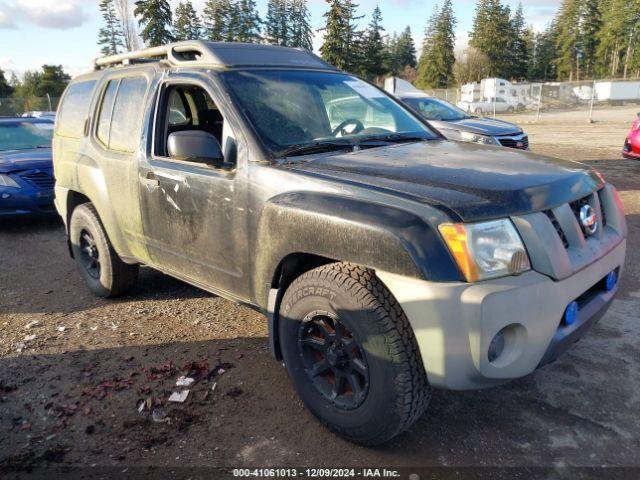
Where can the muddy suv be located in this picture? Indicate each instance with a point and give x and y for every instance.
(387, 260)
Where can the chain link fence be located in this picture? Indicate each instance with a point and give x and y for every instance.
(533, 100)
(16, 106)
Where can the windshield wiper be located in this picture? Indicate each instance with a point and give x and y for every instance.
(391, 138)
(316, 147)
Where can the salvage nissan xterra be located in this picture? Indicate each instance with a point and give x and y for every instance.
(388, 260)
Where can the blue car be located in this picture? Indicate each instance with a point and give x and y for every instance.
(26, 170)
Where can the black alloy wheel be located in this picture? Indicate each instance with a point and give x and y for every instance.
(90, 256)
(333, 359)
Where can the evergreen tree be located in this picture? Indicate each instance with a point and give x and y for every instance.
(617, 36)
(374, 53)
(542, 66)
(248, 22)
(277, 23)
(401, 52)
(435, 69)
(110, 36)
(492, 35)
(590, 26)
(52, 81)
(156, 20)
(569, 40)
(217, 16)
(187, 25)
(340, 46)
(407, 49)
(521, 43)
(5, 88)
(233, 22)
(300, 31)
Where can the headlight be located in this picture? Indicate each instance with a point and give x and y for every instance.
(486, 250)
(7, 181)
(468, 137)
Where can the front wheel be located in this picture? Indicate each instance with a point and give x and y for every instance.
(104, 272)
(351, 353)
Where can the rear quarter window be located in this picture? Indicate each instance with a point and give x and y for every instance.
(74, 109)
(106, 108)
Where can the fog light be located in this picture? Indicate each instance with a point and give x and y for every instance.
(571, 313)
(611, 281)
(496, 347)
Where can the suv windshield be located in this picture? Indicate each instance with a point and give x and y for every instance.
(20, 135)
(292, 109)
(434, 109)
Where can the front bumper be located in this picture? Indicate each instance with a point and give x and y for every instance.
(17, 202)
(454, 323)
(628, 150)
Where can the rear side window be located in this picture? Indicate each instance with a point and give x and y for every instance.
(74, 109)
(119, 120)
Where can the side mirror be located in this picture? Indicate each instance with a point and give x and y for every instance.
(195, 146)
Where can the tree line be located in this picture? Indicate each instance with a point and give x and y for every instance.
(369, 52)
(587, 39)
(287, 23)
(30, 92)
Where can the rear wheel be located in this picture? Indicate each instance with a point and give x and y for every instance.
(510, 109)
(478, 111)
(104, 272)
(351, 353)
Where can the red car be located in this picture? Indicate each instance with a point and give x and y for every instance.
(631, 148)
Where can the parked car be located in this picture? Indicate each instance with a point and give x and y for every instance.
(26, 171)
(456, 124)
(631, 147)
(387, 260)
(488, 105)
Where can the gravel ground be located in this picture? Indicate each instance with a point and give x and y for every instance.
(81, 377)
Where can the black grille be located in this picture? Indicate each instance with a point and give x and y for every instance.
(601, 198)
(513, 143)
(39, 179)
(556, 225)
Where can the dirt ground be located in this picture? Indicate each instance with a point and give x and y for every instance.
(80, 376)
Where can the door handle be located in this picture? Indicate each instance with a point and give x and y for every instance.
(150, 180)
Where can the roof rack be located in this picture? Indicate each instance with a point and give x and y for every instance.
(174, 53)
(218, 54)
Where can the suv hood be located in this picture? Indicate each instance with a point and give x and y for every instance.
(473, 181)
(14, 160)
(481, 125)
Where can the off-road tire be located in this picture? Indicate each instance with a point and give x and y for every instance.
(398, 390)
(114, 277)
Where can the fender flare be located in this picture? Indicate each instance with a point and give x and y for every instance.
(376, 236)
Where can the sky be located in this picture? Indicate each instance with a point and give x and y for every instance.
(64, 32)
